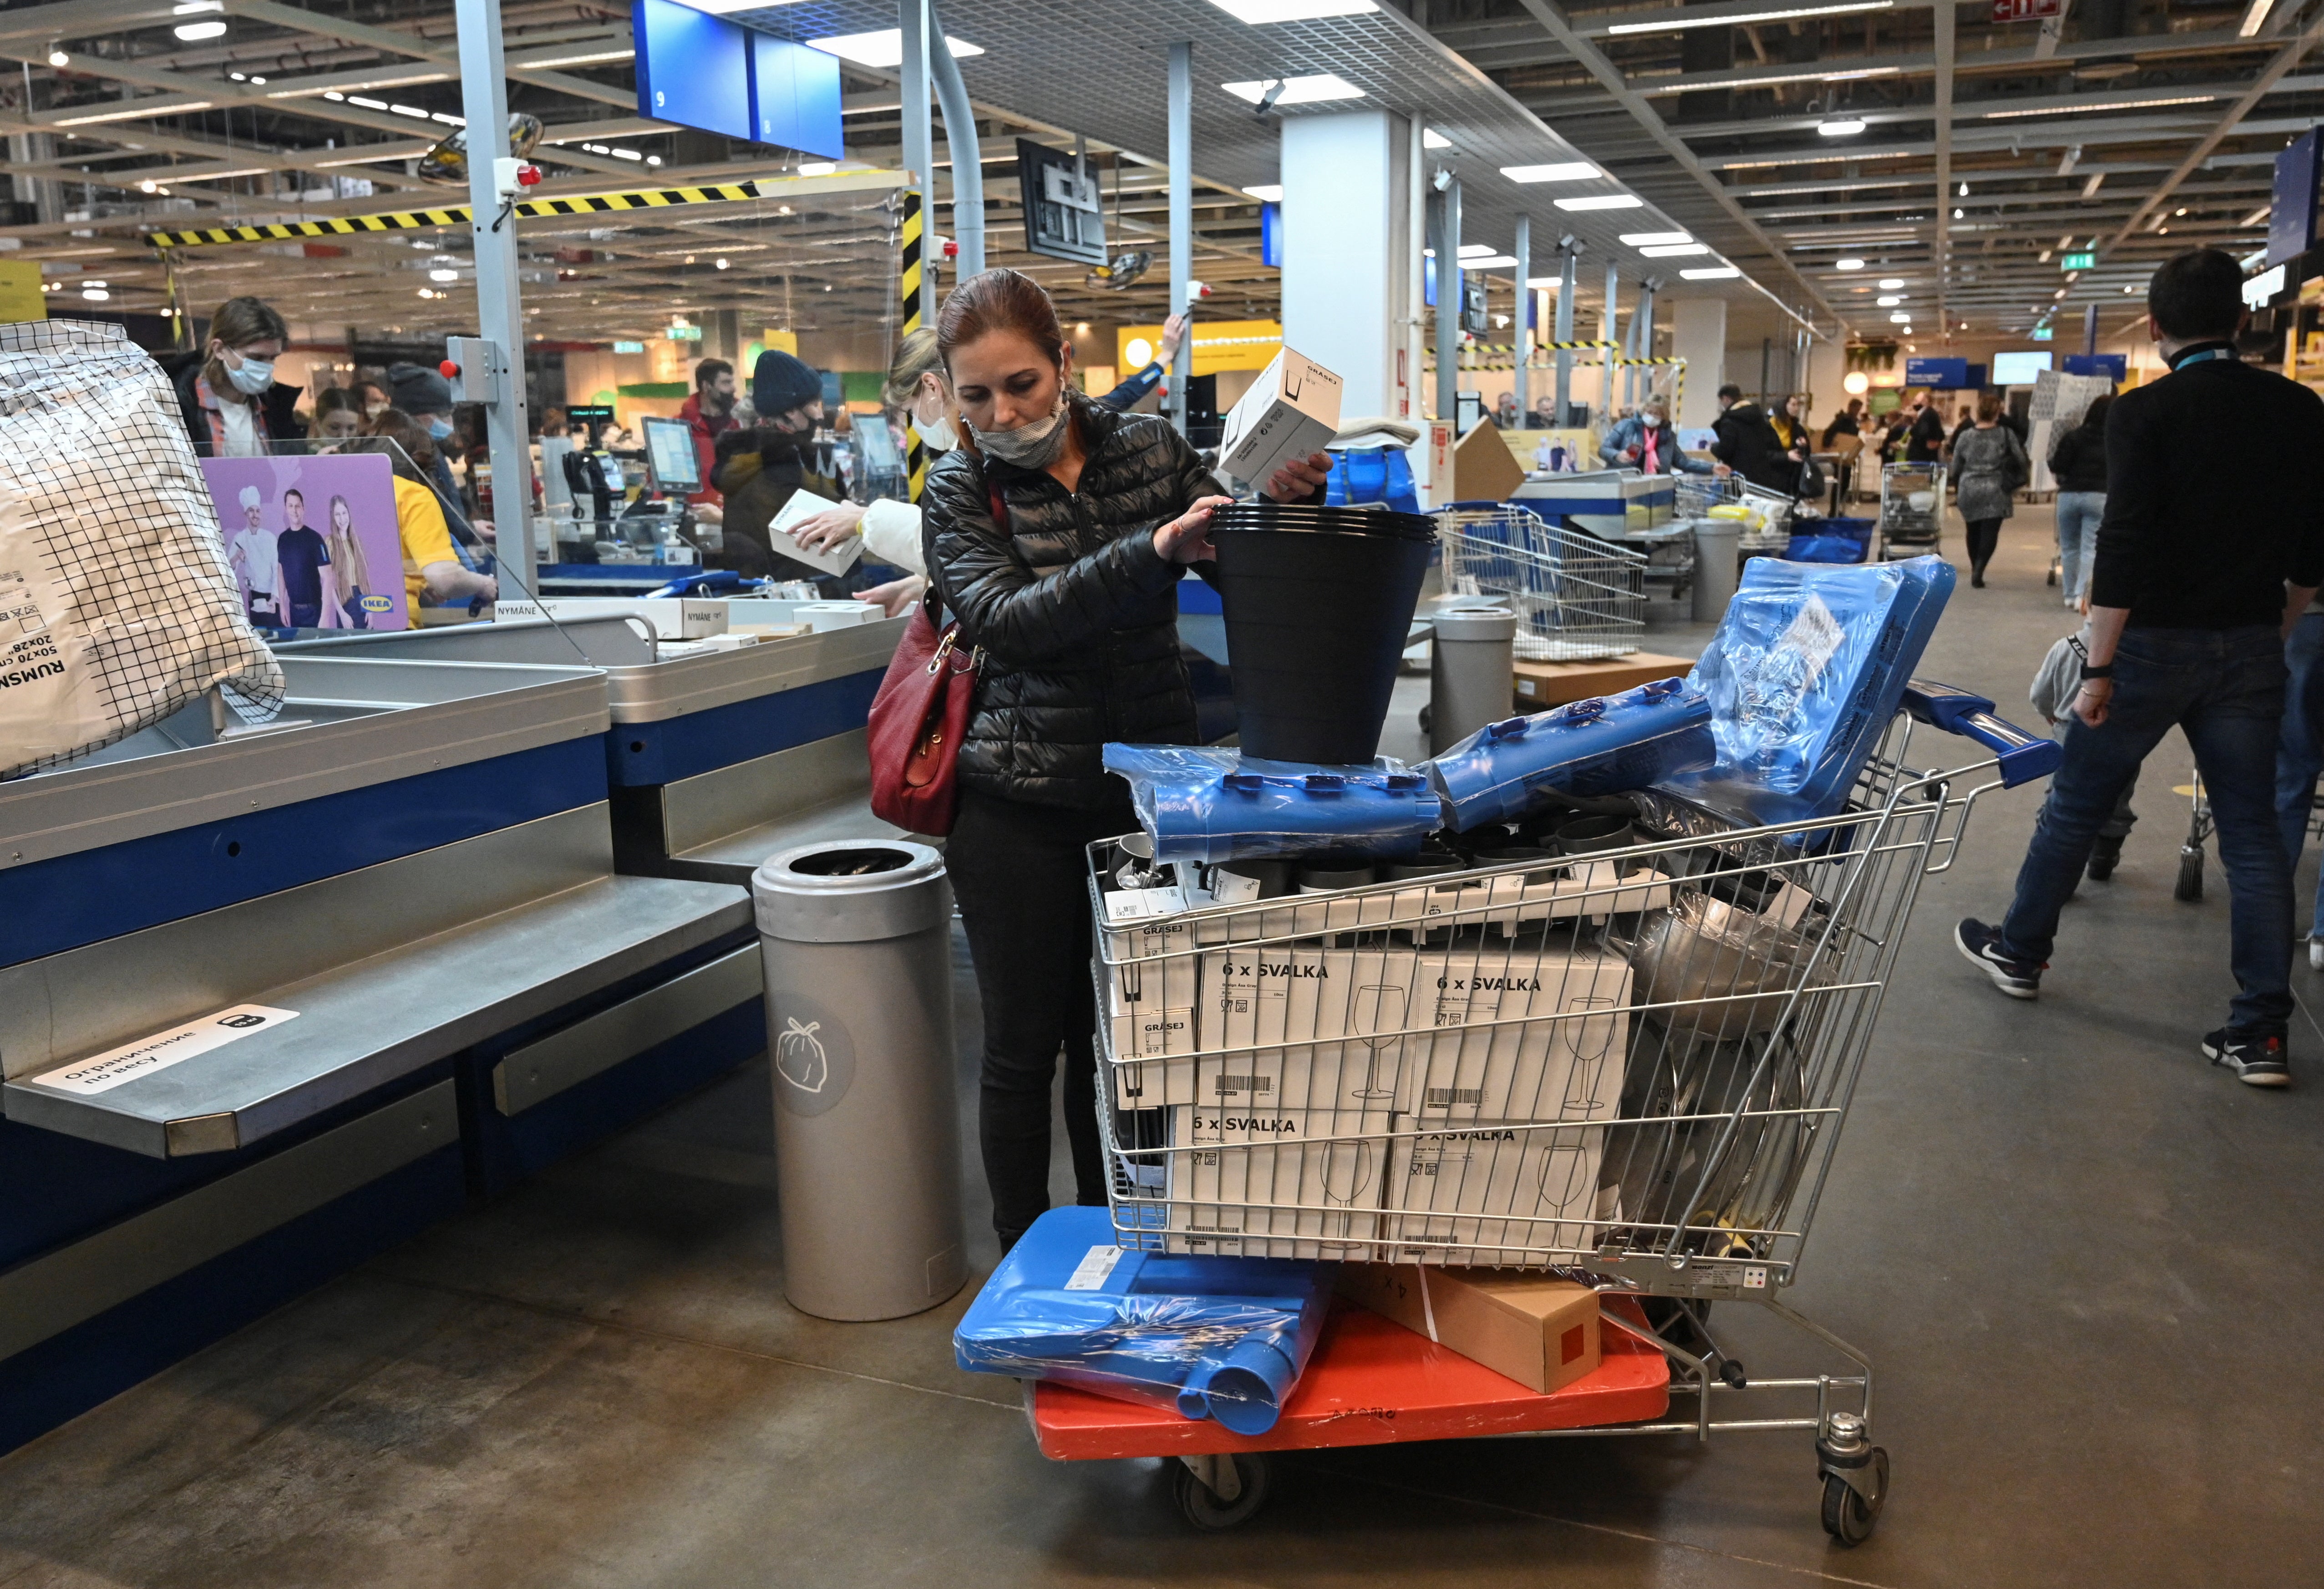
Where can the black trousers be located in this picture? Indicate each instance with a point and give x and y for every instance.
(1021, 876)
(1984, 536)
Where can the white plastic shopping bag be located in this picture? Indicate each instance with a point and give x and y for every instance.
(116, 606)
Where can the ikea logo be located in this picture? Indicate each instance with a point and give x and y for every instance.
(377, 604)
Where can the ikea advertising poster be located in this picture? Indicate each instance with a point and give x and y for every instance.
(312, 541)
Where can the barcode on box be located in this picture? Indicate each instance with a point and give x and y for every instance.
(1246, 1084)
(1450, 1097)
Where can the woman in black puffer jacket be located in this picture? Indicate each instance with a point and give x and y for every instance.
(1075, 600)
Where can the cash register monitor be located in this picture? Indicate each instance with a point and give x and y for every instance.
(876, 447)
(670, 455)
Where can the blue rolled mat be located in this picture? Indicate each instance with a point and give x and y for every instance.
(1214, 803)
(1805, 673)
(1594, 747)
(1225, 1338)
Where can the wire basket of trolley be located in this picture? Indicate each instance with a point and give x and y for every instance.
(1766, 515)
(1577, 598)
(1912, 509)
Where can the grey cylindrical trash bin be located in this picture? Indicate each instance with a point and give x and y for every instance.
(1471, 675)
(1718, 565)
(856, 937)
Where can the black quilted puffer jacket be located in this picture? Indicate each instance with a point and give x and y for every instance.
(1076, 612)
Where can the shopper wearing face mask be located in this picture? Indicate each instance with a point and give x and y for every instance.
(373, 399)
(709, 414)
(917, 389)
(425, 397)
(231, 405)
(1072, 595)
(760, 469)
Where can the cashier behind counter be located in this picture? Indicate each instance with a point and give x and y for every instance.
(761, 466)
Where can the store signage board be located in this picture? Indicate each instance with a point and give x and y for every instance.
(313, 542)
(2078, 261)
(1063, 218)
(21, 297)
(2114, 366)
(2042, 333)
(693, 69)
(2019, 369)
(2261, 290)
(1946, 375)
(794, 96)
(1270, 235)
(2291, 205)
(2026, 10)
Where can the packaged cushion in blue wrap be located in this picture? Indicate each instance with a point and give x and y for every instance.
(1210, 1337)
(1804, 676)
(1593, 747)
(1211, 803)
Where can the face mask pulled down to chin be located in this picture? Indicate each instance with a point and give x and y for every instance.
(1034, 445)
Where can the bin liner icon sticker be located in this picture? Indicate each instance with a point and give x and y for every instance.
(799, 1058)
(814, 1056)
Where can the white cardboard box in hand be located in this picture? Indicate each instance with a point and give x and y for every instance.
(802, 506)
(1291, 412)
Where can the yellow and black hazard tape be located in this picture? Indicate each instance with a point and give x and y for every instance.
(910, 304)
(412, 220)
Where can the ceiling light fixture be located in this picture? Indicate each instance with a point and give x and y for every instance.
(1847, 265)
(883, 48)
(720, 263)
(1788, 14)
(1602, 201)
(193, 33)
(158, 106)
(1900, 318)
(1310, 88)
(1992, 116)
(1566, 170)
(1259, 13)
(443, 275)
(2254, 18)
(57, 58)
(1841, 126)
(1430, 138)
(1891, 283)
(94, 294)
(1266, 192)
(1890, 301)
(1726, 272)
(1674, 250)
(1653, 239)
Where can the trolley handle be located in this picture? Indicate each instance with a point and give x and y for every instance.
(2023, 756)
(707, 580)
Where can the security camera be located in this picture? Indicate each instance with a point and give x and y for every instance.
(1569, 244)
(1274, 92)
(1442, 180)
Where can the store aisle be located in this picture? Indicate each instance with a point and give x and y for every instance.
(2082, 1263)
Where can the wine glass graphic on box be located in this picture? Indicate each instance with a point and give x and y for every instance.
(1378, 1008)
(799, 1056)
(1591, 1039)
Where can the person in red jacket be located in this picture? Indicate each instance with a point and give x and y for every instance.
(709, 413)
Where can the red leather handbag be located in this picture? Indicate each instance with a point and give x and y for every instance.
(919, 717)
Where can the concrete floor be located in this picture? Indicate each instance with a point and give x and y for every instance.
(2082, 1263)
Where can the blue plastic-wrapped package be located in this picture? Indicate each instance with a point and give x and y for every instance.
(1210, 803)
(1225, 1338)
(1804, 676)
(1595, 747)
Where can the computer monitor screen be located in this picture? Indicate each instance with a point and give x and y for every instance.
(876, 446)
(670, 452)
(2018, 369)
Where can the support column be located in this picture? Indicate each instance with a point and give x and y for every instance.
(1606, 335)
(919, 138)
(1698, 336)
(500, 313)
(1415, 329)
(1568, 258)
(1447, 244)
(1182, 220)
(1345, 249)
(1523, 340)
(967, 158)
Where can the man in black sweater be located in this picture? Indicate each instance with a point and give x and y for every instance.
(2210, 548)
(1747, 443)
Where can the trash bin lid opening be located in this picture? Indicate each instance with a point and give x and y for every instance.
(855, 862)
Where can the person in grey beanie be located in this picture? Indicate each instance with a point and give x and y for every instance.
(760, 466)
(427, 397)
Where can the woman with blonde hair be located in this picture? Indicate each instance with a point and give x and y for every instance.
(348, 573)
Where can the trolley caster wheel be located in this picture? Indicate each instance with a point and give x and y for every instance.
(2189, 886)
(1427, 716)
(1198, 1489)
(1855, 1478)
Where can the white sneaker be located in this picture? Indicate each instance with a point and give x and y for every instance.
(2072, 602)
(2316, 954)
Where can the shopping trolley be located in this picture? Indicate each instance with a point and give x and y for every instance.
(1768, 524)
(1912, 508)
(1577, 598)
(1630, 1067)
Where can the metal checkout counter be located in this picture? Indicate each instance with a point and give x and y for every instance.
(390, 931)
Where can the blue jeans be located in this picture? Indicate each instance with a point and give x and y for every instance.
(2078, 513)
(2224, 687)
(2300, 744)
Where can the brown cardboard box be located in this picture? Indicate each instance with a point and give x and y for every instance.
(1483, 468)
(1538, 1330)
(1540, 686)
